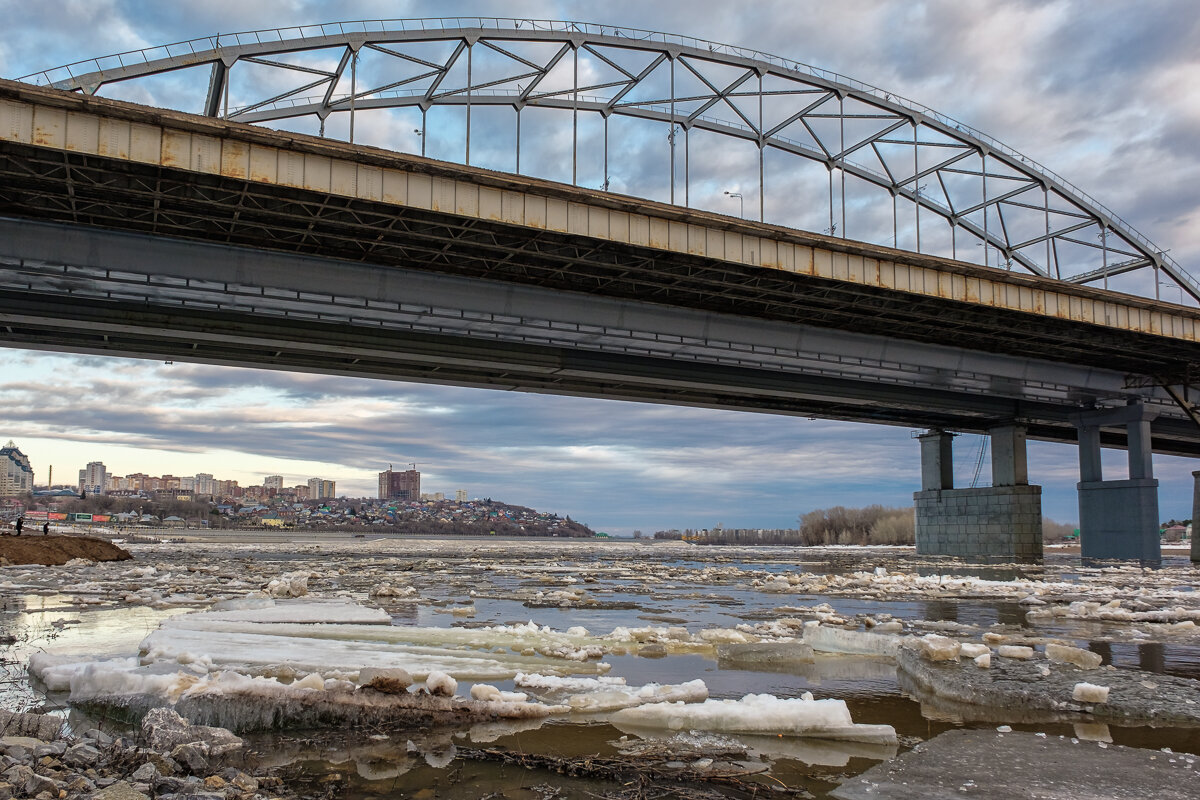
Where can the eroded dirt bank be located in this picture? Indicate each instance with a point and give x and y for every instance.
(57, 550)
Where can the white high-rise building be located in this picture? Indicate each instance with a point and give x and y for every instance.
(205, 484)
(460, 495)
(273, 484)
(16, 476)
(319, 488)
(93, 479)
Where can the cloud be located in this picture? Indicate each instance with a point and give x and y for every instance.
(1103, 94)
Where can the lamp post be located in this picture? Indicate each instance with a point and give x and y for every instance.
(741, 204)
(421, 135)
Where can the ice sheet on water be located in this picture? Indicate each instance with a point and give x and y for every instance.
(619, 697)
(307, 612)
(760, 714)
(241, 702)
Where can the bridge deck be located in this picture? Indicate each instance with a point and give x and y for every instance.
(100, 164)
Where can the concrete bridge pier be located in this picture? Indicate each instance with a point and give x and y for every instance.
(1118, 518)
(1195, 515)
(1001, 522)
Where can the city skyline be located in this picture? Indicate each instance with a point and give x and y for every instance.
(1102, 95)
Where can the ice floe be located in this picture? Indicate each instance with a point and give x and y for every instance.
(760, 714)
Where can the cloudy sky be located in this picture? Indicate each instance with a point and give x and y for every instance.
(1106, 94)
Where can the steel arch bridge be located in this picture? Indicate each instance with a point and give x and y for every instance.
(971, 197)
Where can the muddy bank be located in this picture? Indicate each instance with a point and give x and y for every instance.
(54, 551)
(1039, 685)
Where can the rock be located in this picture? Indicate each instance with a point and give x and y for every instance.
(49, 749)
(26, 743)
(938, 648)
(36, 784)
(973, 650)
(388, 681)
(164, 730)
(164, 764)
(38, 726)
(98, 736)
(79, 785)
(1015, 651)
(191, 757)
(81, 756)
(1084, 659)
(120, 790)
(214, 782)
(6, 791)
(245, 783)
(1090, 693)
(146, 773)
(18, 775)
(17, 753)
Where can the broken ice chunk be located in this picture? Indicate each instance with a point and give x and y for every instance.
(1015, 651)
(973, 650)
(440, 684)
(1090, 693)
(1084, 659)
(763, 714)
(938, 648)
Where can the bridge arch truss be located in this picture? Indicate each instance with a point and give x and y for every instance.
(857, 153)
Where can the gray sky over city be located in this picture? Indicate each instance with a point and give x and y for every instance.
(1107, 94)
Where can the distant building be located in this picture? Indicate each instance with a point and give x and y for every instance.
(319, 488)
(273, 484)
(93, 479)
(16, 476)
(404, 486)
(460, 495)
(433, 496)
(205, 484)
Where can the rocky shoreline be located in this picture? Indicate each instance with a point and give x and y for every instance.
(169, 759)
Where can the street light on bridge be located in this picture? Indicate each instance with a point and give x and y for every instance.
(741, 204)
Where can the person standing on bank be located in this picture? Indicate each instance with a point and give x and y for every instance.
(20, 524)
(45, 528)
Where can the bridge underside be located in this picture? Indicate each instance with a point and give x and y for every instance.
(106, 256)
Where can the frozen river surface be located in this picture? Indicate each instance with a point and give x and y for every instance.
(576, 642)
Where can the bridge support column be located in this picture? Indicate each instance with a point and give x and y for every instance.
(1001, 522)
(1118, 518)
(1195, 515)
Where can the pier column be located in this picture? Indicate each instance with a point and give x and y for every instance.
(1001, 522)
(1118, 518)
(1195, 515)
(937, 460)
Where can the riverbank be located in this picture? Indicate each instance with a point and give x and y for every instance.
(52, 550)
